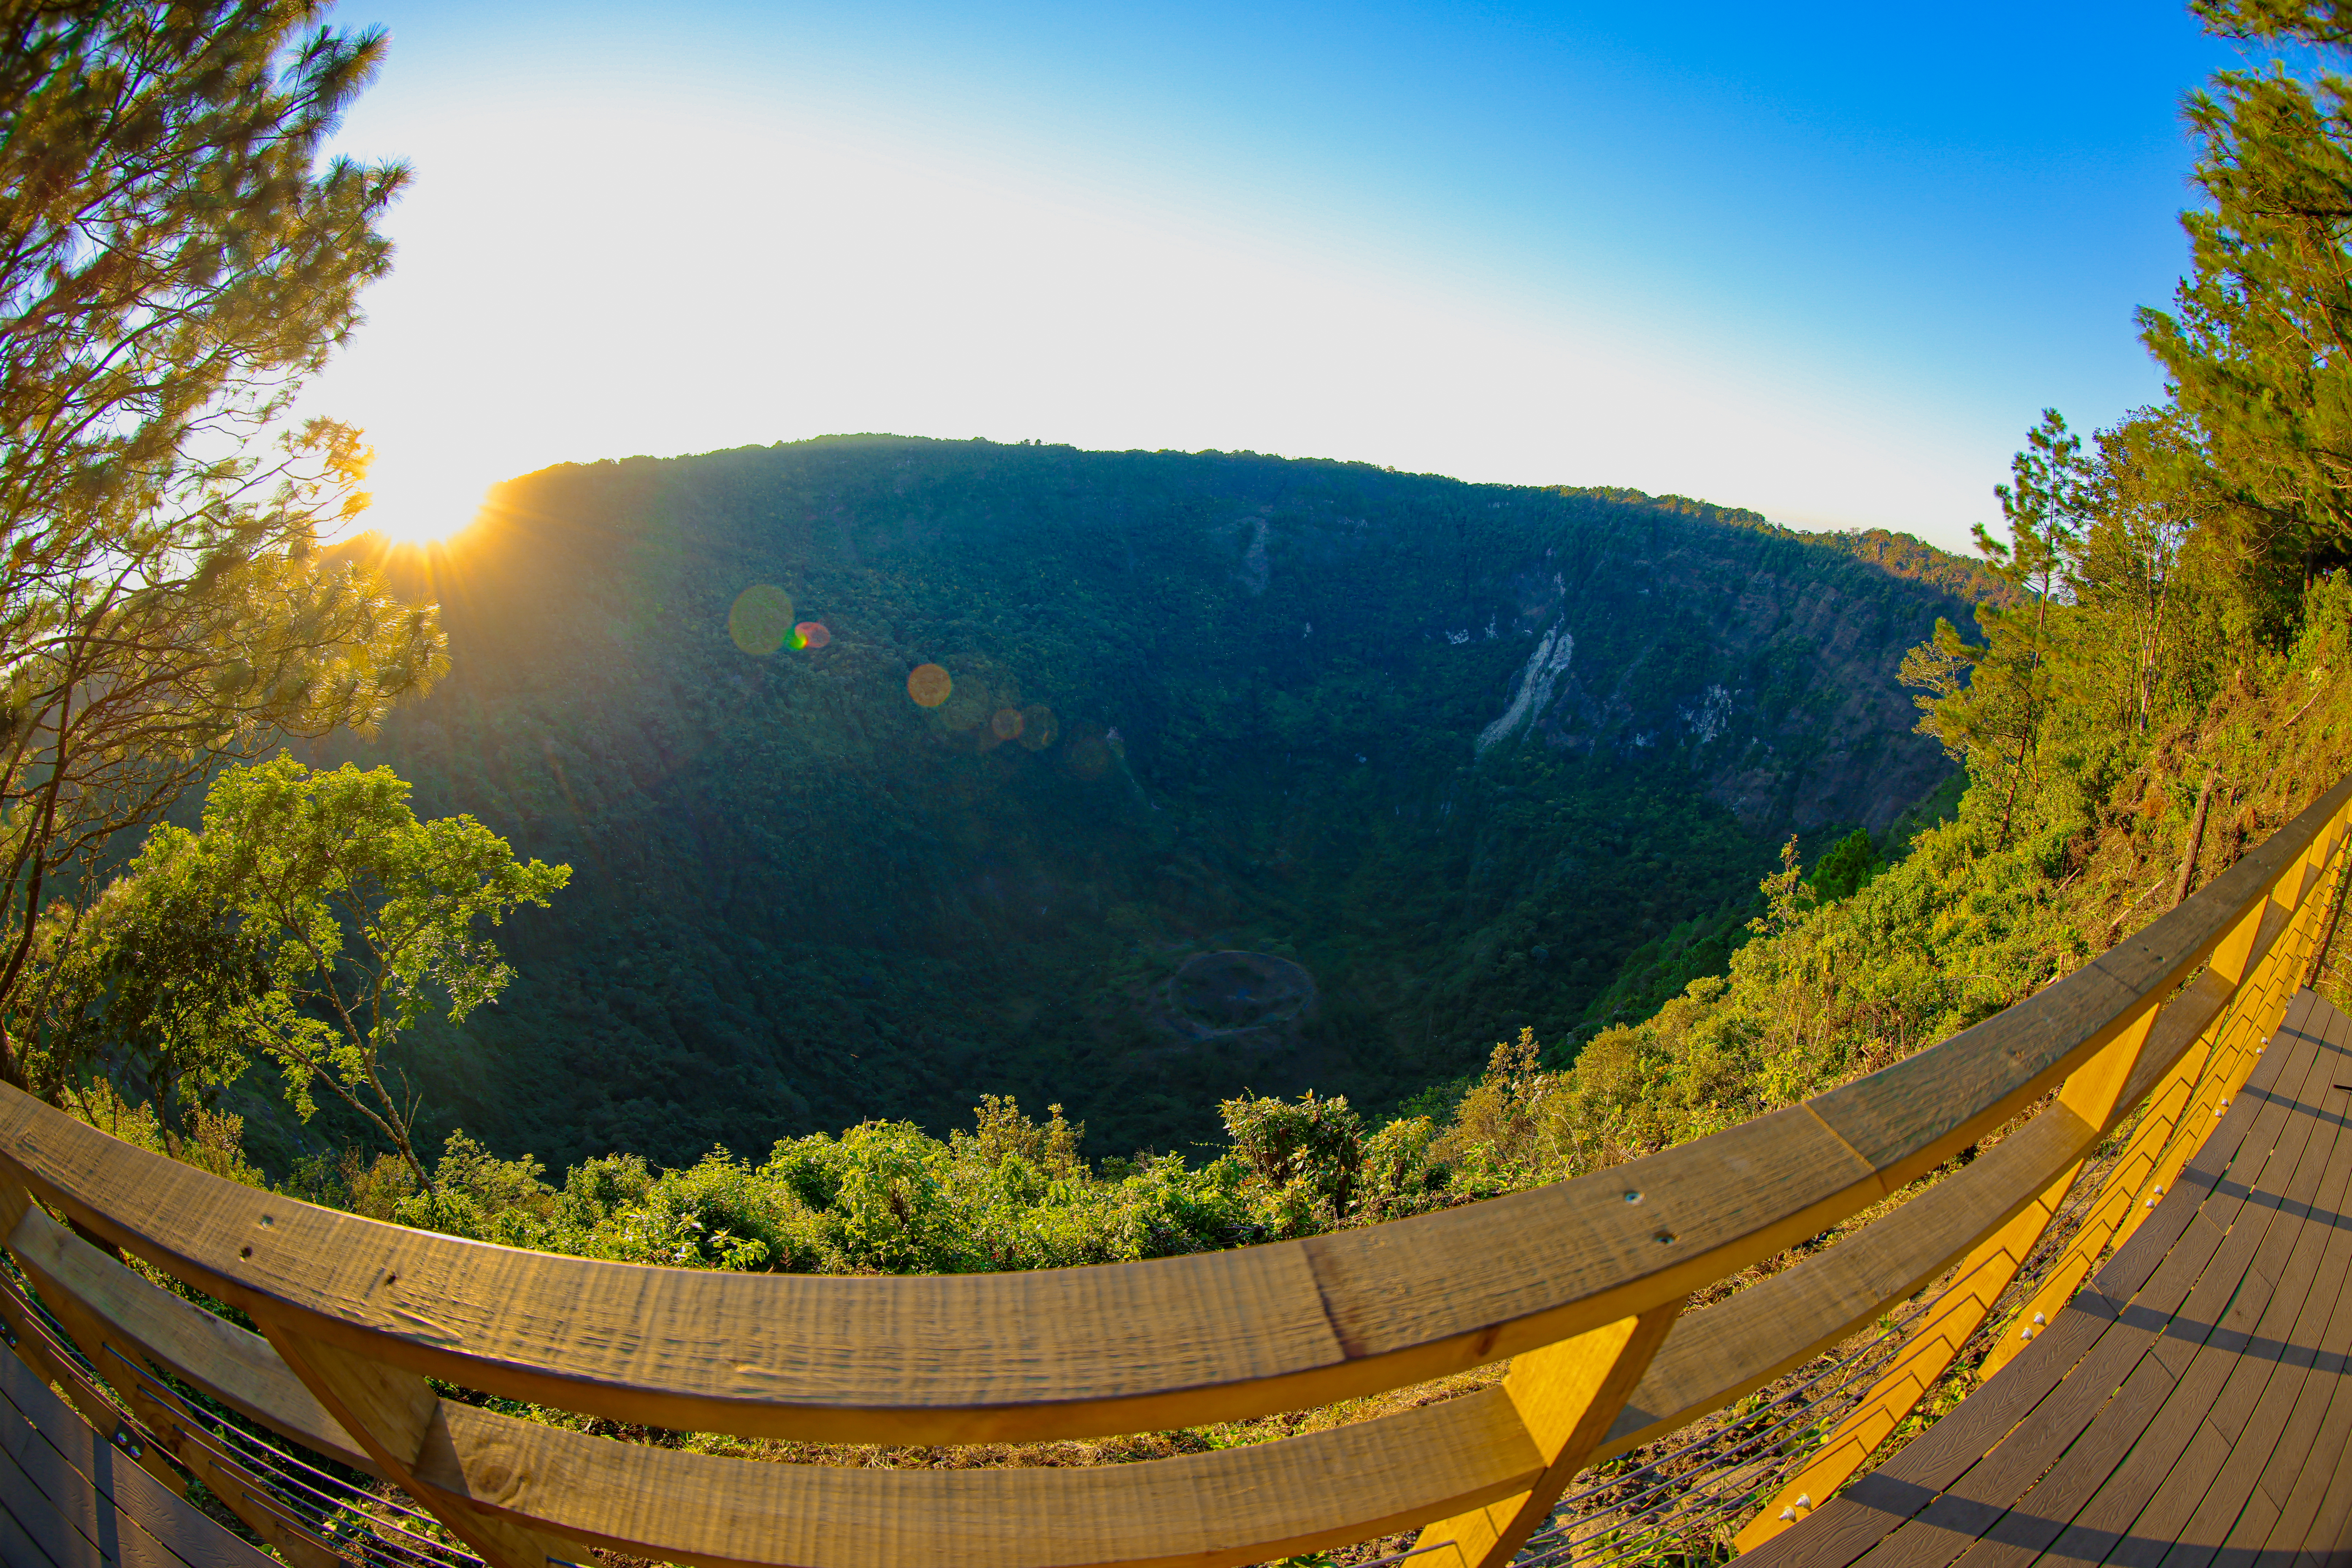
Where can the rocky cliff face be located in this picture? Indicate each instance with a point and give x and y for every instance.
(1411, 763)
(1776, 683)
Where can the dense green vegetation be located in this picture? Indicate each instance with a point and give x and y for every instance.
(174, 262)
(1448, 765)
(1315, 845)
(2167, 679)
(1256, 692)
(1849, 963)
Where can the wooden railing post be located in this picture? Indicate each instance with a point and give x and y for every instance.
(2180, 1111)
(1566, 1396)
(2090, 1093)
(2326, 938)
(1581, 1290)
(391, 1412)
(2247, 965)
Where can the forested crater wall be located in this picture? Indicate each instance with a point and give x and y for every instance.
(1433, 756)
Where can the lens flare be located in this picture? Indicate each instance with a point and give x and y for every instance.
(810, 634)
(1088, 756)
(761, 619)
(1005, 723)
(1039, 728)
(929, 685)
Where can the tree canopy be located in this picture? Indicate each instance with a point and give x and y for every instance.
(174, 261)
(314, 921)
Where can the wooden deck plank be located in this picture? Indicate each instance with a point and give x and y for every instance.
(2139, 1466)
(2176, 1240)
(2302, 1515)
(21, 1543)
(2331, 1535)
(124, 1514)
(2308, 1185)
(63, 1512)
(1975, 1502)
(2179, 1500)
(2169, 1444)
(2169, 1509)
(2261, 1393)
(2320, 1431)
(2051, 1509)
(2071, 1449)
(1851, 1525)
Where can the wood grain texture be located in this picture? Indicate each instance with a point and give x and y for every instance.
(246, 1495)
(1717, 1355)
(2159, 1267)
(18, 1496)
(1123, 1347)
(1926, 1354)
(391, 1412)
(2268, 1358)
(2320, 1438)
(2269, 1293)
(2174, 1412)
(1203, 1510)
(1567, 1395)
(1581, 1281)
(1116, 1348)
(1910, 1116)
(32, 1346)
(2125, 1197)
(2203, 1074)
(2091, 1100)
(150, 1324)
(124, 1514)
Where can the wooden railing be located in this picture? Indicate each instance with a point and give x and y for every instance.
(1582, 1283)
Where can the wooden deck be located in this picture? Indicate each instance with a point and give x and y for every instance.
(2193, 1407)
(69, 1498)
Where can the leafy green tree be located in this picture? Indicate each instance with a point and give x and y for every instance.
(316, 920)
(2046, 510)
(174, 265)
(2257, 344)
(1846, 865)
(1986, 701)
(1316, 1145)
(152, 982)
(2153, 494)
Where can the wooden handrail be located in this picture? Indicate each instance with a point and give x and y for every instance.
(1581, 1281)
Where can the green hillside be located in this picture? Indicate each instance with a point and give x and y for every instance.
(1261, 706)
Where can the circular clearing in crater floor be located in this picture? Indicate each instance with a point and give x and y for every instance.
(1215, 991)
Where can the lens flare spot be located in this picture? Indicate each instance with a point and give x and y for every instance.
(761, 619)
(1088, 756)
(1039, 728)
(929, 685)
(1005, 723)
(810, 634)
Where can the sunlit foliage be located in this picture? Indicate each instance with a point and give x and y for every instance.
(174, 263)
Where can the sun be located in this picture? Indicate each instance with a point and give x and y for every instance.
(420, 508)
(397, 527)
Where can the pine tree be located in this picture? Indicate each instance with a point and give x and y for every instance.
(2258, 344)
(174, 263)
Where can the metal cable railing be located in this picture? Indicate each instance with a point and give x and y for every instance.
(1680, 1502)
(1709, 1500)
(342, 1516)
(1581, 1284)
(1682, 1496)
(348, 1520)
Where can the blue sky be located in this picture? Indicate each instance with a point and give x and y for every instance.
(1828, 265)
